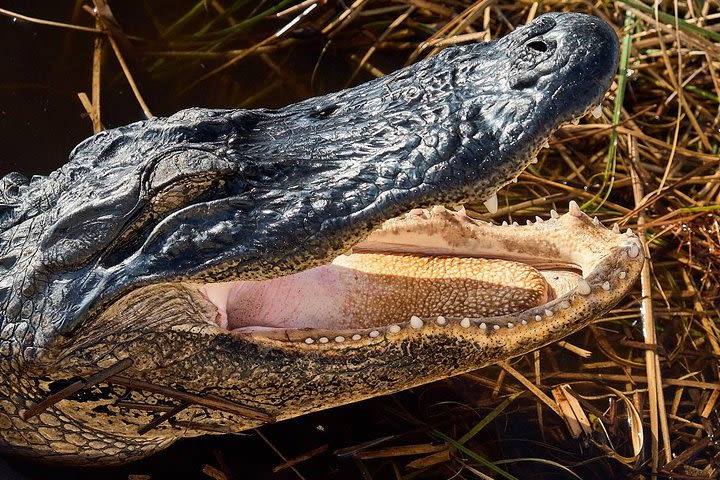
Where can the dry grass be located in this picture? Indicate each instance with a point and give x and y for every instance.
(646, 398)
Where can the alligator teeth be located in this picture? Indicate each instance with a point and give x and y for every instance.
(394, 328)
(554, 214)
(576, 121)
(574, 209)
(416, 322)
(356, 337)
(616, 228)
(583, 287)
(546, 145)
(597, 112)
(538, 219)
(374, 334)
(465, 323)
(492, 203)
(441, 320)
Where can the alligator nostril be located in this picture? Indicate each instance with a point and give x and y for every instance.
(538, 45)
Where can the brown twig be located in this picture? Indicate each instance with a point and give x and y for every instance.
(163, 418)
(209, 401)
(76, 386)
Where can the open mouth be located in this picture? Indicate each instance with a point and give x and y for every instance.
(437, 269)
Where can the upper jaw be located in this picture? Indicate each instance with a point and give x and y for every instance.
(608, 261)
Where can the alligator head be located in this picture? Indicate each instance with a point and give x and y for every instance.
(269, 263)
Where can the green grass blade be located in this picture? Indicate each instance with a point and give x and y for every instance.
(488, 418)
(671, 20)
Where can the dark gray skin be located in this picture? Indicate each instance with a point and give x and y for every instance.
(219, 195)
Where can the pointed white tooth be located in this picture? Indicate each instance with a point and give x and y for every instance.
(510, 325)
(597, 111)
(538, 318)
(538, 219)
(575, 121)
(548, 313)
(504, 224)
(323, 339)
(606, 286)
(492, 203)
(356, 337)
(528, 222)
(633, 251)
(574, 209)
(394, 328)
(441, 320)
(597, 222)
(437, 209)
(564, 304)
(616, 228)
(534, 160)
(629, 232)
(496, 327)
(514, 180)
(583, 287)
(483, 326)
(339, 339)
(622, 275)
(465, 323)
(546, 144)
(524, 322)
(309, 341)
(374, 334)
(515, 224)
(416, 322)
(554, 214)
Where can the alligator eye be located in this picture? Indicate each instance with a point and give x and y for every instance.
(538, 45)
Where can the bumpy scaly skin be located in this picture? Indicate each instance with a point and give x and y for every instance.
(93, 258)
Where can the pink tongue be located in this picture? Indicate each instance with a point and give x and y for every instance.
(367, 290)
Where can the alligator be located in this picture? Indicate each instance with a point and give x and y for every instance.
(217, 270)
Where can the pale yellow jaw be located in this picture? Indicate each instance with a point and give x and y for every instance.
(389, 288)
